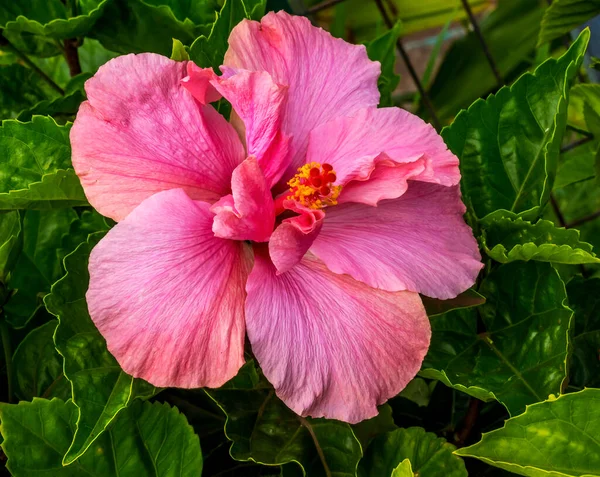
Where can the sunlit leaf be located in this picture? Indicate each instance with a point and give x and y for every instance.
(562, 16)
(383, 49)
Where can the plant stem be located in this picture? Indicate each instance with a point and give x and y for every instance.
(6, 43)
(72, 56)
(7, 356)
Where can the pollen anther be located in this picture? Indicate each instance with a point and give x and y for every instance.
(313, 186)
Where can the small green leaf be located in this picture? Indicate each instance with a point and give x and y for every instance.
(509, 144)
(507, 238)
(10, 242)
(100, 388)
(179, 53)
(562, 16)
(430, 456)
(466, 299)
(584, 299)
(404, 469)
(62, 109)
(521, 357)
(209, 52)
(50, 18)
(38, 367)
(577, 165)
(368, 429)
(584, 107)
(383, 49)
(265, 430)
(418, 391)
(554, 438)
(145, 440)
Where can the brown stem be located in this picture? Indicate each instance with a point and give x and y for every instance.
(324, 5)
(72, 56)
(468, 424)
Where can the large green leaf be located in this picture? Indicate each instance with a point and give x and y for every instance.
(21, 88)
(145, 440)
(521, 356)
(33, 175)
(40, 262)
(555, 438)
(430, 456)
(50, 18)
(383, 49)
(209, 51)
(509, 144)
(562, 16)
(510, 32)
(10, 242)
(62, 109)
(136, 26)
(100, 388)
(38, 367)
(264, 430)
(507, 238)
(584, 299)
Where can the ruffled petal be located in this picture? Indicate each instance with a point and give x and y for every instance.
(168, 296)
(327, 77)
(141, 132)
(331, 346)
(418, 242)
(259, 104)
(198, 83)
(351, 144)
(294, 236)
(249, 212)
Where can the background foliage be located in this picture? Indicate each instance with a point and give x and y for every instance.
(511, 382)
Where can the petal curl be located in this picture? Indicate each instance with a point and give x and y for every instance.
(249, 212)
(327, 77)
(141, 132)
(331, 346)
(419, 242)
(259, 104)
(168, 296)
(351, 144)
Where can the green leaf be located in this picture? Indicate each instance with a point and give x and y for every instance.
(209, 52)
(404, 469)
(40, 263)
(555, 438)
(509, 144)
(50, 18)
(34, 175)
(10, 242)
(510, 31)
(62, 109)
(21, 88)
(562, 16)
(507, 238)
(577, 165)
(466, 299)
(136, 26)
(521, 356)
(584, 108)
(430, 456)
(100, 388)
(383, 49)
(418, 391)
(368, 429)
(179, 53)
(265, 430)
(145, 440)
(584, 299)
(38, 367)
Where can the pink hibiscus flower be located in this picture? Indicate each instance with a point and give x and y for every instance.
(311, 221)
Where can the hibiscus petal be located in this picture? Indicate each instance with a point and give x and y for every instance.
(249, 212)
(294, 236)
(351, 143)
(141, 132)
(331, 346)
(327, 77)
(198, 83)
(168, 295)
(259, 104)
(418, 242)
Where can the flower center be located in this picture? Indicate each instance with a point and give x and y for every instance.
(313, 186)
